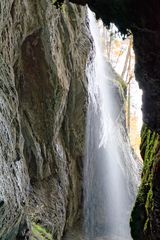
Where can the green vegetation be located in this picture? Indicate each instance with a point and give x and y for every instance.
(40, 233)
(140, 220)
(122, 87)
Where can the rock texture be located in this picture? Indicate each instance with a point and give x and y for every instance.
(95, 222)
(43, 54)
(145, 216)
(142, 18)
(13, 172)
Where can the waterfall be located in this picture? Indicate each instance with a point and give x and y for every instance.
(110, 171)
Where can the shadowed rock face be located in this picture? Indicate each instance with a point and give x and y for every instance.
(13, 172)
(126, 14)
(44, 51)
(142, 18)
(145, 220)
(43, 54)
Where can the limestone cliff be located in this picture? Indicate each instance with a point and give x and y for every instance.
(142, 18)
(43, 54)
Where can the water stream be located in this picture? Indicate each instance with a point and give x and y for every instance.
(110, 170)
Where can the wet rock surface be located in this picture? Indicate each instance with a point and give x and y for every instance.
(78, 236)
(44, 51)
(13, 171)
(145, 215)
(142, 18)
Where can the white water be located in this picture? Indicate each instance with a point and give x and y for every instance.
(110, 179)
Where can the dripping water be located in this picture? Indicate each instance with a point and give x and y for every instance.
(110, 171)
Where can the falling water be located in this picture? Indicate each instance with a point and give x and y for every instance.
(110, 179)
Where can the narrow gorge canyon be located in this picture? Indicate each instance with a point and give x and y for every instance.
(64, 165)
(43, 105)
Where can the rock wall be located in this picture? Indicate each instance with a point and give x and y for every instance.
(142, 18)
(43, 54)
(145, 222)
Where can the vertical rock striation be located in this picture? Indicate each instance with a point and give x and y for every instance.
(13, 171)
(43, 54)
(142, 18)
(145, 216)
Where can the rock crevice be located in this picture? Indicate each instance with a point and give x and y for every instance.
(44, 51)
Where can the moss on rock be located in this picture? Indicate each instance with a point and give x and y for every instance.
(40, 233)
(144, 206)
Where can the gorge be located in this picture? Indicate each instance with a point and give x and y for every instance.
(48, 51)
(110, 171)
